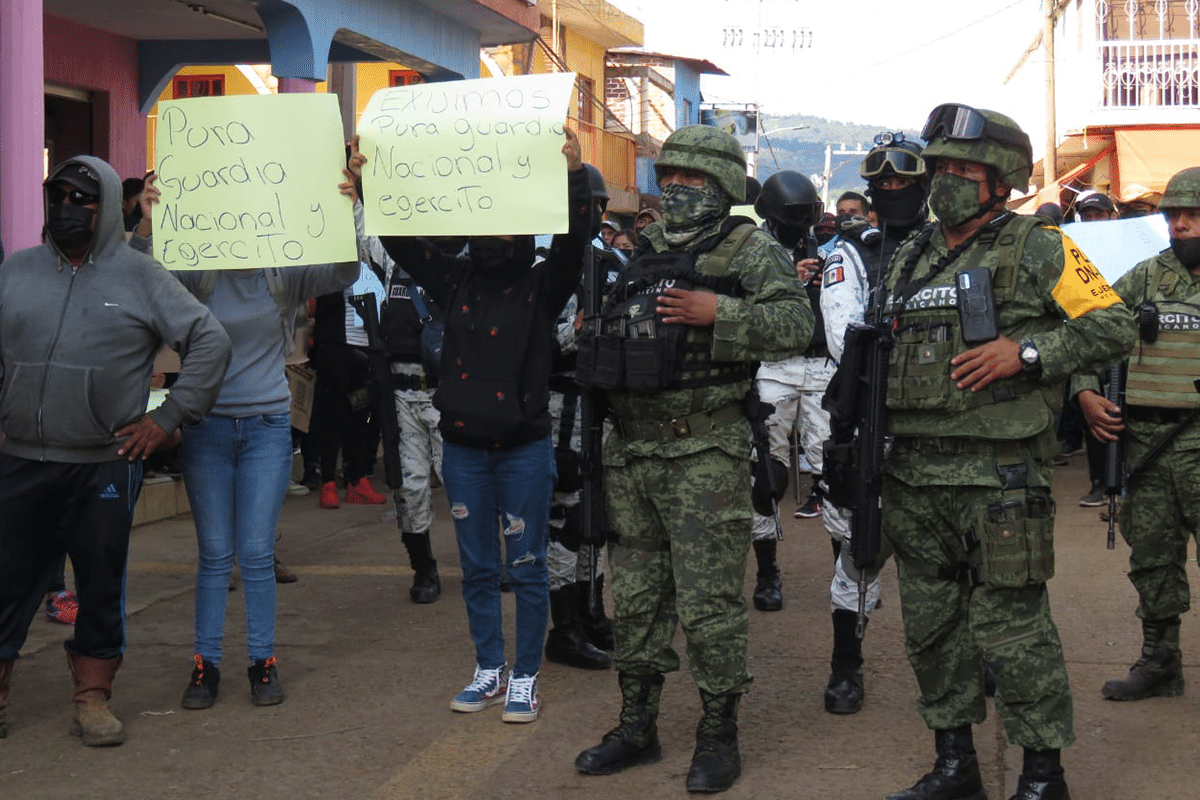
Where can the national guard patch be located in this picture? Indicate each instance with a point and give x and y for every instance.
(1081, 288)
(833, 276)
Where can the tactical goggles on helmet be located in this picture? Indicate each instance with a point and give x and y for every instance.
(899, 161)
(963, 123)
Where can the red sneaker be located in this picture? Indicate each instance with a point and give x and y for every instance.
(329, 495)
(363, 493)
(62, 607)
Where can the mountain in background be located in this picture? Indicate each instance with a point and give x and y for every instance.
(804, 150)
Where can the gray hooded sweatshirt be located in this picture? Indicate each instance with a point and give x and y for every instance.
(77, 344)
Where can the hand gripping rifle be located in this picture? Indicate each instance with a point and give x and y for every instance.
(382, 394)
(1114, 452)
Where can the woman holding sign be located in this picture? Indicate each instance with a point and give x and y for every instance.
(498, 459)
(236, 461)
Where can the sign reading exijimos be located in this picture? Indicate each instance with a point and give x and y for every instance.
(471, 157)
(251, 181)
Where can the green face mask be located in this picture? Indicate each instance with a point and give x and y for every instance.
(690, 207)
(954, 199)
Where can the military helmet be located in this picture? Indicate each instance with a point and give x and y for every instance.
(985, 137)
(709, 150)
(788, 198)
(1183, 190)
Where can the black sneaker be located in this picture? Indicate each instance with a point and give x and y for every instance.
(264, 683)
(1095, 498)
(811, 507)
(202, 690)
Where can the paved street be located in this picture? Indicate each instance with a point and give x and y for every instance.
(369, 676)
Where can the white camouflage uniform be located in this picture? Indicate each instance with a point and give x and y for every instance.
(845, 290)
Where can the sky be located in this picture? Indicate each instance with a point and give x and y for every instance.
(878, 62)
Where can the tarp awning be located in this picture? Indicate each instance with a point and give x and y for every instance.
(1151, 157)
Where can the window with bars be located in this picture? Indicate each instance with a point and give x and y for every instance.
(404, 77)
(199, 86)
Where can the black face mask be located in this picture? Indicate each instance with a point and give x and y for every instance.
(450, 246)
(1187, 251)
(899, 206)
(494, 256)
(786, 235)
(70, 227)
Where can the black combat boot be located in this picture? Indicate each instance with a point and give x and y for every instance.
(566, 642)
(426, 585)
(596, 625)
(955, 774)
(635, 739)
(844, 693)
(716, 763)
(1041, 777)
(768, 590)
(1159, 672)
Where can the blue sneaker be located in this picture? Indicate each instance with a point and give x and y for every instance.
(522, 701)
(486, 689)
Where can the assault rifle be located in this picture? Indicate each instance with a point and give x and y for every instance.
(593, 407)
(1114, 452)
(382, 394)
(857, 401)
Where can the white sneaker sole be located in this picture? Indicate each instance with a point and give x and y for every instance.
(466, 707)
(520, 716)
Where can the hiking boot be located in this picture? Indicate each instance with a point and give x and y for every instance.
(521, 701)
(1042, 777)
(94, 721)
(955, 774)
(566, 643)
(844, 692)
(635, 739)
(487, 688)
(1095, 498)
(716, 762)
(363, 493)
(426, 585)
(329, 495)
(6, 668)
(62, 607)
(768, 588)
(201, 691)
(265, 689)
(283, 574)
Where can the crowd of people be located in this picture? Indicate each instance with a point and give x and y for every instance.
(701, 309)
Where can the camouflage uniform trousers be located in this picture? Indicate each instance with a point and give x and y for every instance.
(564, 564)
(684, 528)
(1158, 517)
(951, 627)
(420, 453)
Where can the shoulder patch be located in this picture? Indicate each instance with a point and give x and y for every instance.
(833, 276)
(1081, 288)
(834, 258)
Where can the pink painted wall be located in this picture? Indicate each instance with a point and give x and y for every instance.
(98, 61)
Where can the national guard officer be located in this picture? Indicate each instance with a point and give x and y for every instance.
(705, 298)
(1159, 514)
(989, 312)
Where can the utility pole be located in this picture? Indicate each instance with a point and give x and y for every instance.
(1050, 161)
(827, 175)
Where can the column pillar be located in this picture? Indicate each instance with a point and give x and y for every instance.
(22, 123)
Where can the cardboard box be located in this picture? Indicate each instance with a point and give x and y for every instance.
(302, 381)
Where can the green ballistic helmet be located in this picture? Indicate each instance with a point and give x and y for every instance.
(985, 137)
(1183, 190)
(709, 150)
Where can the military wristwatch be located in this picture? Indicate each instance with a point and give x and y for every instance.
(1031, 359)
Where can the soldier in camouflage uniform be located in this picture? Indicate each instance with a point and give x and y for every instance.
(677, 461)
(966, 498)
(1160, 512)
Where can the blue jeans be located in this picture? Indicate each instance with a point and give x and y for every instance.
(236, 471)
(487, 489)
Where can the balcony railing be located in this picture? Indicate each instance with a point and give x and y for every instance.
(614, 154)
(1158, 73)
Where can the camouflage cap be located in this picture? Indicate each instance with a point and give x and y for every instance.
(1011, 157)
(1183, 190)
(709, 150)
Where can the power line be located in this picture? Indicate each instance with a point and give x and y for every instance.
(996, 13)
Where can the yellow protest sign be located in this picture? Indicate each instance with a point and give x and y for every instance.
(251, 181)
(474, 157)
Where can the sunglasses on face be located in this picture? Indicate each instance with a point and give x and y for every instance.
(77, 197)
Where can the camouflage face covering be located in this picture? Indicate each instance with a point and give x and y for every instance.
(954, 199)
(689, 209)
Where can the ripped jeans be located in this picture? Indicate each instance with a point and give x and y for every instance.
(496, 494)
